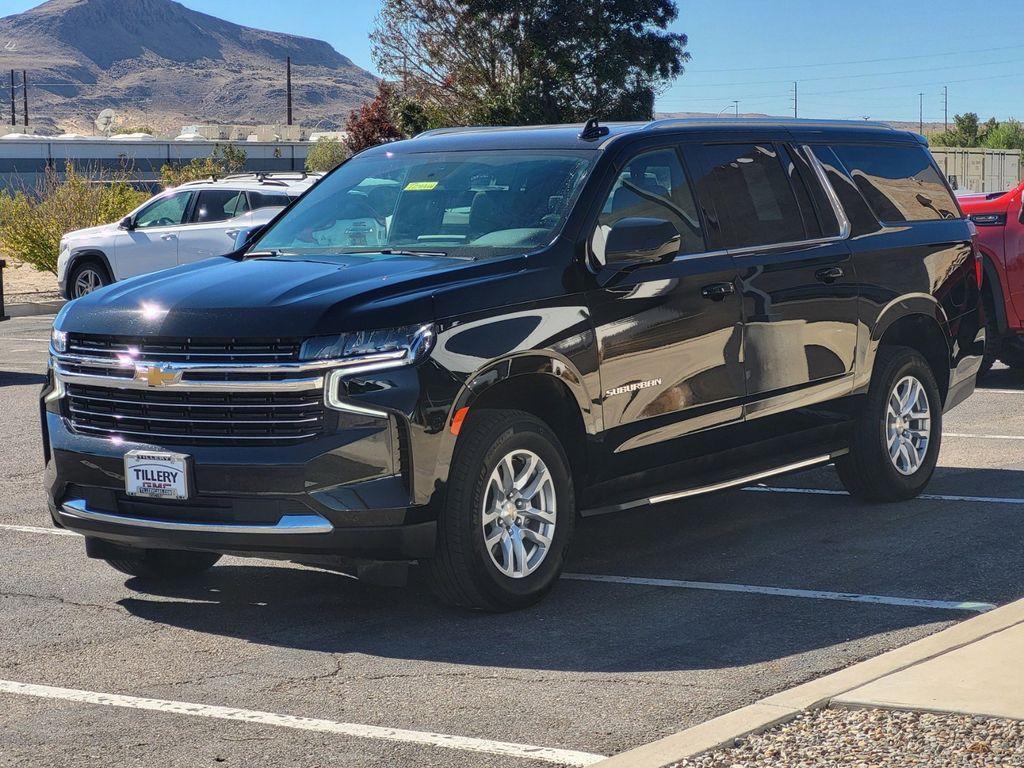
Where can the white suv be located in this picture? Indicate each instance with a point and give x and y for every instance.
(193, 221)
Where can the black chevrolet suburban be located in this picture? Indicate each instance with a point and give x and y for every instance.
(452, 346)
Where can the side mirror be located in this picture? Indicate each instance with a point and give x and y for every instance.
(127, 223)
(641, 240)
(248, 235)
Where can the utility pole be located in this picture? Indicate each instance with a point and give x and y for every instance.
(945, 108)
(920, 119)
(289, 90)
(14, 114)
(736, 106)
(24, 93)
(795, 100)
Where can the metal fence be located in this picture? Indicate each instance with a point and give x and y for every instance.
(979, 169)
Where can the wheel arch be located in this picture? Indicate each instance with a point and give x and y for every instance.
(545, 385)
(921, 330)
(81, 257)
(993, 285)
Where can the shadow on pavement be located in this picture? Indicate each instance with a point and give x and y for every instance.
(926, 549)
(17, 378)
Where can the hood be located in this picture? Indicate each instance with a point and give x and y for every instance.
(88, 232)
(277, 297)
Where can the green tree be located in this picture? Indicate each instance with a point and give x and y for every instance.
(326, 155)
(1006, 135)
(522, 61)
(225, 159)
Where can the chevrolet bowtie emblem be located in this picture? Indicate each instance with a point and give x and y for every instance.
(156, 376)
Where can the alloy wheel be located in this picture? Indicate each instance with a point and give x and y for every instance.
(519, 513)
(88, 280)
(907, 425)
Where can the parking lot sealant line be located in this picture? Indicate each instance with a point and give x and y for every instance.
(37, 529)
(983, 437)
(925, 496)
(423, 738)
(810, 594)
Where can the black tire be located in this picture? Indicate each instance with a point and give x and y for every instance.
(867, 471)
(165, 564)
(462, 572)
(92, 266)
(993, 338)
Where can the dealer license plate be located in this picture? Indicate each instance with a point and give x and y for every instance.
(156, 474)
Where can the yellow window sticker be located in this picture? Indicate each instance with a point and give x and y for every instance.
(420, 186)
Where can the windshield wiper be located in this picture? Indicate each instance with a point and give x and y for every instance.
(401, 252)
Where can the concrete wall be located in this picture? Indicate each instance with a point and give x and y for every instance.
(980, 170)
(23, 161)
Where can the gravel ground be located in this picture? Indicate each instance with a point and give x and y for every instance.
(875, 738)
(22, 283)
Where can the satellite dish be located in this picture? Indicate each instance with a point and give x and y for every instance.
(105, 120)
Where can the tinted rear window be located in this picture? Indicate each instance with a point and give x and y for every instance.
(900, 183)
(751, 187)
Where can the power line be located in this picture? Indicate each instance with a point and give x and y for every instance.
(848, 75)
(861, 61)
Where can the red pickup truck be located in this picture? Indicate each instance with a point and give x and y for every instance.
(1000, 222)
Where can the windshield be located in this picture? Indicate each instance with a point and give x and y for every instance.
(472, 204)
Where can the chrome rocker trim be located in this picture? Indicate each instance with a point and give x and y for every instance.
(287, 524)
(720, 486)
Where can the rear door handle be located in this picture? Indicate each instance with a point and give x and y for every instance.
(168, 237)
(232, 233)
(717, 291)
(829, 274)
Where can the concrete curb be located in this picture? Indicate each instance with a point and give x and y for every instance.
(35, 308)
(781, 707)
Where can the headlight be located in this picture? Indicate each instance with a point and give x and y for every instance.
(365, 352)
(59, 340)
(403, 346)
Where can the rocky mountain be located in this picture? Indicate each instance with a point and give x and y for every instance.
(161, 64)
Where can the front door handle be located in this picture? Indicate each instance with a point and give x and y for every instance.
(232, 233)
(168, 237)
(829, 274)
(717, 291)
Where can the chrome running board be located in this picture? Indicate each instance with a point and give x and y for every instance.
(287, 524)
(720, 486)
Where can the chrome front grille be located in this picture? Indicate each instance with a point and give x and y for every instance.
(188, 391)
(245, 418)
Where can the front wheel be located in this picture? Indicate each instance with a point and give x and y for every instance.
(895, 442)
(508, 516)
(86, 278)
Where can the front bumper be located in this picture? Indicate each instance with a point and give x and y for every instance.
(343, 495)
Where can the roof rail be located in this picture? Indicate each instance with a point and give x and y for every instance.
(672, 122)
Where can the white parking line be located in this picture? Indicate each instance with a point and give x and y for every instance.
(928, 496)
(708, 585)
(987, 391)
(784, 592)
(424, 738)
(983, 437)
(37, 529)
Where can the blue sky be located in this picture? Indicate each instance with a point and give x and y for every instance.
(752, 50)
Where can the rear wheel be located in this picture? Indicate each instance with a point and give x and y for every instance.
(508, 517)
(164, 564)
(86, 278)
(993, 338)
(896, 436)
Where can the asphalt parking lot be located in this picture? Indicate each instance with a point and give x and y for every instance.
(671, 615)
